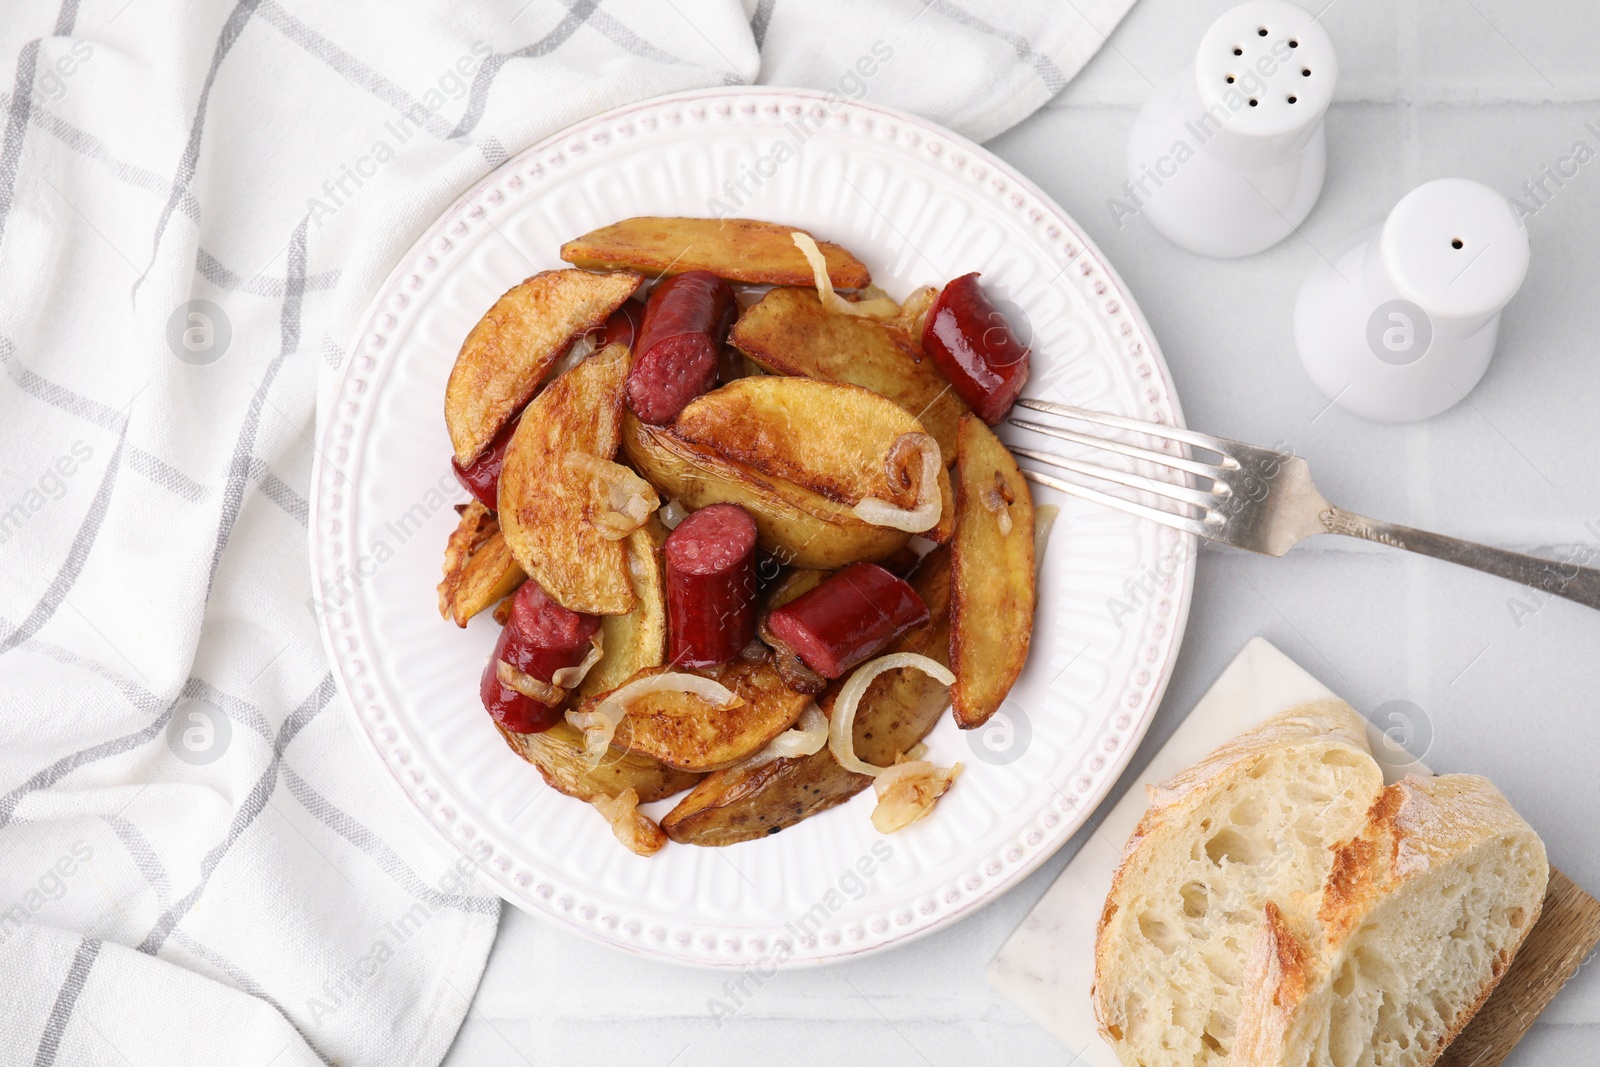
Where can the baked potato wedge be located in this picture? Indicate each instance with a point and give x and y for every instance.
(506, 355)
(488, 577)
(992, 578)
(558, 753)
(554, 495)
(475, 525)
(478, 566)
(831, 438)
(740, 250)
(788, 331)
(796, 525)
(896, 712)
(637, 640)
(685, 731)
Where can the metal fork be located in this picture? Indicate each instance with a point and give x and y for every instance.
(1264, 501)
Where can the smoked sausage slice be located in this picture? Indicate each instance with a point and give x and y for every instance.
(973, 345)
(847, 618)
(711, 586)
(540, 638)
(685, 324)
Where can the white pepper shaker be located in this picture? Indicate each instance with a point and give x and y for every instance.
(1402, 323)
(1228, 158)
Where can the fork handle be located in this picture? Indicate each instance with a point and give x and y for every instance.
(1563, 579)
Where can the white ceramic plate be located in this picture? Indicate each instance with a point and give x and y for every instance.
(920, 206)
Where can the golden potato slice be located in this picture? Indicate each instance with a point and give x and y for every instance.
(475, 524)
(508, 352)
(638, 639)
(829, 437)
(796, 525)
(788, 331)
(740, 250)
(690, 733)
(896, 712)
(489, 576)
(550, 502)
(478, 567)
(991, 609)
(558, 753)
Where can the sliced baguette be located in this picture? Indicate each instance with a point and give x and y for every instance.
(1251, 823)
(1421, 914)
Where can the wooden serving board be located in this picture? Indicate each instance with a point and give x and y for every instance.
(1567, 931)
(1047, 966)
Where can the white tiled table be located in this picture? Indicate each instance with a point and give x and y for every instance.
(1487, 89)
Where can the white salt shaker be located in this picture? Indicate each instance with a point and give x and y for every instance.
(1228, 158)
(1401, 324)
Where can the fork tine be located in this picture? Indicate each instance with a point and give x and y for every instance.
(1179, 493)
(1171, 433)
(1204, 470)
(1166, 518)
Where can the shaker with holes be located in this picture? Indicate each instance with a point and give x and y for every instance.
(1400, 324)
(1228, 158)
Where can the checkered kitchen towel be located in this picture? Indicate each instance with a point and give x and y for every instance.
(199, 863)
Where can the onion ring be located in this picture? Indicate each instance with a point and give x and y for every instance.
(841, 727)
